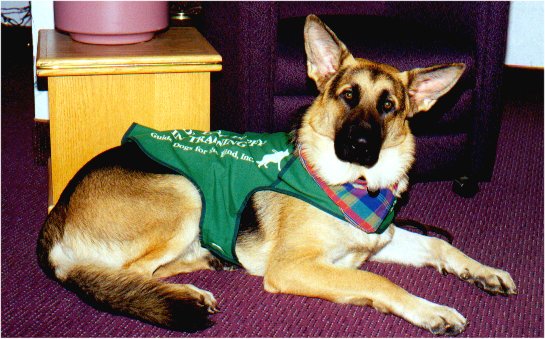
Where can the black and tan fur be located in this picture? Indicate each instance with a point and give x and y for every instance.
(124, 221)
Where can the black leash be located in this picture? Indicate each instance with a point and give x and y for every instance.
(424, 228)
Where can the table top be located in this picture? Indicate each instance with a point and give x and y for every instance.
(179, 49)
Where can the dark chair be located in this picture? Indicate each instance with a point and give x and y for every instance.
(263, 82)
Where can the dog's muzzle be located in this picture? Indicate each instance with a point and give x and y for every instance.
(359, 143)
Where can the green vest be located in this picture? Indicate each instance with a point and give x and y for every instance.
(227, 168)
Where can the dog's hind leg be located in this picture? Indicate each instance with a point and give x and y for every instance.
(418, 250)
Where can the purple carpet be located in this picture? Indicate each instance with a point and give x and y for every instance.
(502, 227)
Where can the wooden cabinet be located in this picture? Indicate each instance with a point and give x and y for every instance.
(97, 92)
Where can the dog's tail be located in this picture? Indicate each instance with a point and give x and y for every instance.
(174, 306)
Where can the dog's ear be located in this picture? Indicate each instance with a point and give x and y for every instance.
(325, 52)
(426, 85)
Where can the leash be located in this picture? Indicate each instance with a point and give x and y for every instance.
(424, 228)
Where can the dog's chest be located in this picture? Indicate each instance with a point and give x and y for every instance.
(357, 246)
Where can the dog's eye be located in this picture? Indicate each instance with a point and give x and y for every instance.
(348, 94)
(351, 96)
(388, 106)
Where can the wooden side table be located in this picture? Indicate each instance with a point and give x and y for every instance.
(96, 92)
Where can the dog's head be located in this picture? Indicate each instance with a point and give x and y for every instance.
(357, 126)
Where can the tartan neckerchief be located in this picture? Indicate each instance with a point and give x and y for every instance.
(358, 207)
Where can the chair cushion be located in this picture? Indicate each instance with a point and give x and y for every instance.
(440, 157)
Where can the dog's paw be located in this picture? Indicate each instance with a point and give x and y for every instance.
(491, 280)
(206, 299)
(439, 319)
(446, 320)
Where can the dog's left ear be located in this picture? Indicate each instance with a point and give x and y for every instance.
(325, 52)
(426, 85)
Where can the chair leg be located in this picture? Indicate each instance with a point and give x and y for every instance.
(465, 187)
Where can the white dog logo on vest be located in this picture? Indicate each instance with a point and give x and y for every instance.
(275, 157)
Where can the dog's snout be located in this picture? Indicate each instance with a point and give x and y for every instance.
(358, 143)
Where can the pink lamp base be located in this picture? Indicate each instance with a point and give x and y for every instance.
(112, 39)
(111, 22)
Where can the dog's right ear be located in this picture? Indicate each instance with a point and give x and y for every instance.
(325, 52)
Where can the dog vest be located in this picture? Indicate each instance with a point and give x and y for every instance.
(228, 168)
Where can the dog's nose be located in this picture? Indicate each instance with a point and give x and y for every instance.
(358, 143)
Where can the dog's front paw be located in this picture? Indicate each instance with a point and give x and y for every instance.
(491, 280)
(439, 319)
(446, 320)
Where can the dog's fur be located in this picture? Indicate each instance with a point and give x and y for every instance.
(125, 221)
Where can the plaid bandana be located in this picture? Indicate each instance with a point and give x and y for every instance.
(371, 214)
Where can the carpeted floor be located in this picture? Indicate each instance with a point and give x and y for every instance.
(502, 226)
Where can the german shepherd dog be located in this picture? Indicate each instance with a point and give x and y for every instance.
(124, 221)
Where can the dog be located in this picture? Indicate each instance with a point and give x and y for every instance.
(124, 220)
